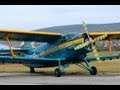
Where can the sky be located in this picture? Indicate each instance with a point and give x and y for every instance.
(31, 17)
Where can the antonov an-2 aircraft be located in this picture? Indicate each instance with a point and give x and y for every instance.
(57, 49)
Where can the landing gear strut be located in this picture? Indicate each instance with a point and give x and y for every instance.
(92, 70)
(57, 71)
(32, 70)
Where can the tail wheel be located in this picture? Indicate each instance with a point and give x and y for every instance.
(32, 70)
(57, 72)
(93, 70)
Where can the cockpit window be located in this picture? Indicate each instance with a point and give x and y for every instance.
(71, 36)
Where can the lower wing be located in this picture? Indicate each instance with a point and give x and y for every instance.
(27, 60)
(103, 57)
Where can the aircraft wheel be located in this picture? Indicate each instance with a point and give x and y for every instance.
(93, 70)
(118, 57)
(57, 72)
(32, 70)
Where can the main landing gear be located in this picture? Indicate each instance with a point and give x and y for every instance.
(32, 70)
(92, 70)
(57, 72)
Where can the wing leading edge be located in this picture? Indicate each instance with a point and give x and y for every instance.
(20, 35)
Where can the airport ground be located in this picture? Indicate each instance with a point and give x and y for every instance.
(49, 79)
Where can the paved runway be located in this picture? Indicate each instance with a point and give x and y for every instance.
(40, 79)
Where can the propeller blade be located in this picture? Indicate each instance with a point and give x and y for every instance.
(85, 29)
(101, 37)
(96, 53)
(82, 45)
(95, 50)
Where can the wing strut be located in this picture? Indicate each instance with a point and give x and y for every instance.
(110, 45)
(9, 44)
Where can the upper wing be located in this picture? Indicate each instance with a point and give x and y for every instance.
(115, 35)
(20, 35)
(103, 57)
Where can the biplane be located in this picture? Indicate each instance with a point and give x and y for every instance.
(57, 49)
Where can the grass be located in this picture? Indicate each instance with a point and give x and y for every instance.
(108, 66)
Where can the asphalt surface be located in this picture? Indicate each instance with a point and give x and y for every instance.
(40, 79)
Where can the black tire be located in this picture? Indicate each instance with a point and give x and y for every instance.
(57, 72)
(94, 70)
(32, 70)
(118, 57)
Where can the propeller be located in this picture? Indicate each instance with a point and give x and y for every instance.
(91, 42)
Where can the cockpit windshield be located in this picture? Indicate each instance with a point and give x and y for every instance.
(71, 36)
